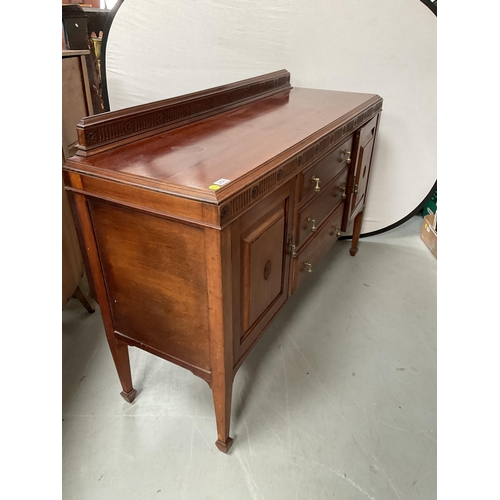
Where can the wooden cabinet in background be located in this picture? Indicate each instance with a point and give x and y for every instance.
(76, 103)
(202, 214)
(76, 96)
(78, 25)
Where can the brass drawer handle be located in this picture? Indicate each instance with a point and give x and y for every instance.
(337, 230)
(343, 188)
(293, 248)
(313, 227)
(355, 189)
(309, 267)
(317, 181)
(348, 153)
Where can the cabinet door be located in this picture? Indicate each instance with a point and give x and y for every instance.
(260, 266)
(365, 140)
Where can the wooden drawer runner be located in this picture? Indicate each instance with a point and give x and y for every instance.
(314, 213)
(324, 170)
(311, 254)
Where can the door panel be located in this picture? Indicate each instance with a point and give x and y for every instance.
(364, 139)
(260, 266)
(363, 160)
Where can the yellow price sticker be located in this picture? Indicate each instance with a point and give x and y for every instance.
(214, 187)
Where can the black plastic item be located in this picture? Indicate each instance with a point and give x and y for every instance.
(80, 22)
(417, 211)
(432, 5)
(104, 42)
(75, 27)
(431, 206)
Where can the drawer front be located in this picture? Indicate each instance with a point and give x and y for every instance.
(317, 176)
(314, 213)
(311, 254)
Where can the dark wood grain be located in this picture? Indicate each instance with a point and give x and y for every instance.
(114, 128)
(155, 279)
(248, 145)
(193, 271)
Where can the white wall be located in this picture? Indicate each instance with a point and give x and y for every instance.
(159, 49)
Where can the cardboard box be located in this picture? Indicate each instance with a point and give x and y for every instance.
(429, 232)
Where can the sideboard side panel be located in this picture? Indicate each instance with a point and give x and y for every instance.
(358, 184)
(155, 276)
(363, 162)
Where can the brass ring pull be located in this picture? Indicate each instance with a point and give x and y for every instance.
(343, 188)
(317, 181)
(309, 267)
(348, 153)
(313, 227)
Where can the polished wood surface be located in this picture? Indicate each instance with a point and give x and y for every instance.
(197, 231)
(240, 144)
(137, 251)
(118, 128)
(230, 145)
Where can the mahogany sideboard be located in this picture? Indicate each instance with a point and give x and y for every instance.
(200, 215)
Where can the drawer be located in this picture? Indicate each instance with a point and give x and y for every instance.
(314, 213)
(311, 254)
(324, 170)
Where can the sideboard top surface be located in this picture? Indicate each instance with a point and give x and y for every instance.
(231, 145)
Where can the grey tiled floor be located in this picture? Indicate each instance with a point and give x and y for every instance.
(337, 400)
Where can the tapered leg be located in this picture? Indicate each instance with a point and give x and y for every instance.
(219, 275)
(119, 351)
(84, 298)
(355, 233)
(222, 388)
